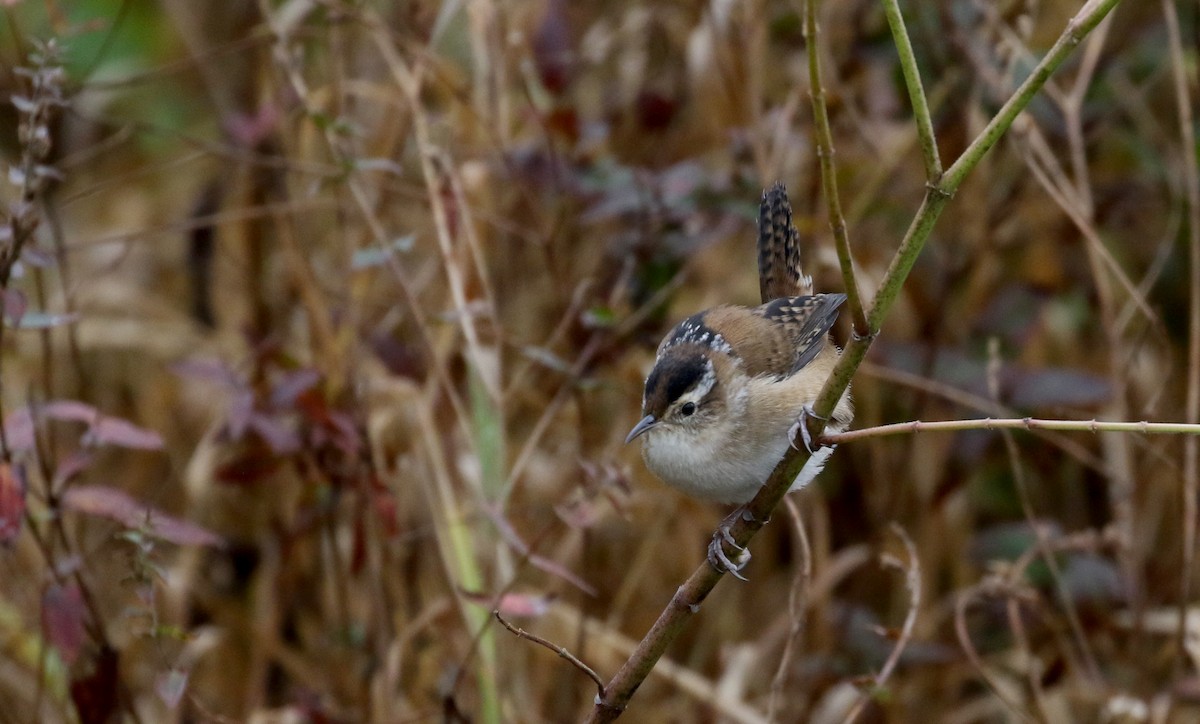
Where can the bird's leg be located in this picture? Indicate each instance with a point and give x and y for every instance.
(717, 557)
(806, 412)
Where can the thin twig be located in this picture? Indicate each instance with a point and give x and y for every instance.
(797, 607)
(522, 633)
(912, 582)
(1023, 423)
(990, 586)
(1033, 674)
(1041, 536)
(1191, 446)
(978, 404)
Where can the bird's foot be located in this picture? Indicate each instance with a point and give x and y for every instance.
(801, 427)
(718, 558)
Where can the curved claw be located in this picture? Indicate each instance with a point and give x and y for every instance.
(806, 412)
(717, 557)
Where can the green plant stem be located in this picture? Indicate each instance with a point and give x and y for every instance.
(833, 202)
(691, 594)
(916, 91)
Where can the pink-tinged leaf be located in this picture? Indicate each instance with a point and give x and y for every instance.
(12, 502)
(36, 256)
(15, 305)
(115, 431)
(513, 604)
(240, 411)
(18, 430)
(207, 370)
(62, 620)
(278, 436)
(170, 686)
(69, 410)
(119, 506)
(553, 53)
(385, 510)
(183, 532)
(294, 384)
(102, 430)
(71, 466)
(347, 438)
(251, 129)
(579, 514)
(19, 427)
(523, 604)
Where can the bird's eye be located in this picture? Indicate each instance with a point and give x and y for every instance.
(688, 409)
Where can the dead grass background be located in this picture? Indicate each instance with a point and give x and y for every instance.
(386, 280)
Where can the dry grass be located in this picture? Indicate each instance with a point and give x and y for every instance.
(377, 287)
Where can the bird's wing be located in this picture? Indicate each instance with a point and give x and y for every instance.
(807, 319)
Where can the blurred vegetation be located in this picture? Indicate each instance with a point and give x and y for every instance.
(331, 318)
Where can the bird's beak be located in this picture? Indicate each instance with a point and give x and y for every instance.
(643, 425)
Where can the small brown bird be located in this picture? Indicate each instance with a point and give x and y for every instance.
(731, 384)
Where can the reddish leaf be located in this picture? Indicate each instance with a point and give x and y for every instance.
(12, 502)
(358, 546)
(513, 604)
(253, 465)
(580, 514)
(119, 506)
(95, 695)
(522, 604)
(564, 121)
(18, 430)
(240, 411)
(384, 504)
(313, 406)
(71, 466)
(553, 55)
(15, 305)
(182, 532)
(655, 110)
(207, 370)
(69, 410)
(285, 392)
(1187, 689)
(62, 620)
(102, 430)
(250, 130)
(115, 431)
(346, 438)
(278, 436)
(399, 358)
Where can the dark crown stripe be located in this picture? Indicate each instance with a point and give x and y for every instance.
(693, 330)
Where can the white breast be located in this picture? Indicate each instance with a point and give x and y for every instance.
(702, 463)
(692, 464)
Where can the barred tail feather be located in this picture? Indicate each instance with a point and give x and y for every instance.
(779, 270)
